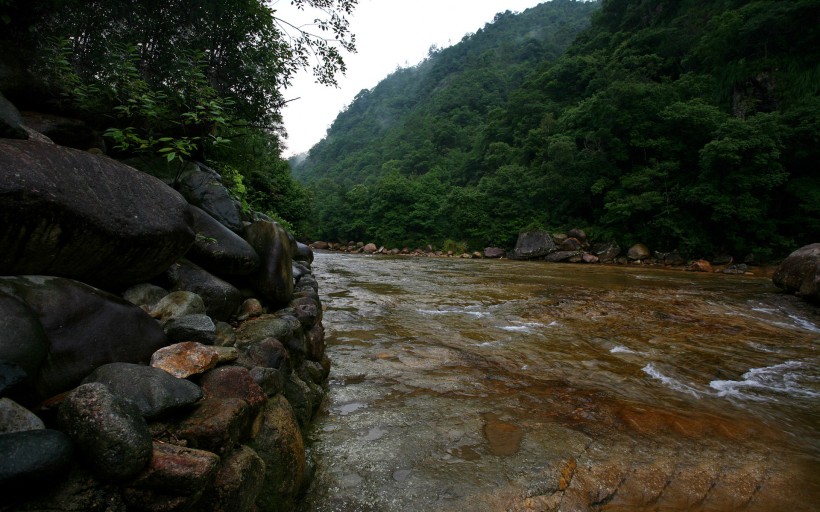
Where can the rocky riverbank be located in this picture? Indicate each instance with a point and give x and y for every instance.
(160, 349)
(799, 273)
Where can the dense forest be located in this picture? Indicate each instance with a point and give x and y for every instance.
(683, 124)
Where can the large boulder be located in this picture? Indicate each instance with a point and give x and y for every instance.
(638, 252)
(153, 390)
(175, 480)
(274, 279)
(109, 431)
(73, 214)
(533, 244)
(11, 123)
(32, 456)
(218, 249)
(221, 298)
(203, 188)
(84, 328)
(800, 273)
(282, 448)
(23, 341)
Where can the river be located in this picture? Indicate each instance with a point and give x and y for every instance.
(493, 385)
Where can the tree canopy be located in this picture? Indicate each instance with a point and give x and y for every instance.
(687, 125)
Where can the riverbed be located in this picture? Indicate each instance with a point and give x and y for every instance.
(492, 385)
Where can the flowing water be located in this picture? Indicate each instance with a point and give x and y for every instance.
(491, 385)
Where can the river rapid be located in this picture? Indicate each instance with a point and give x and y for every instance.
(493, 385)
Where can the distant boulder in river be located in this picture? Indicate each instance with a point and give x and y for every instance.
(533, 244)
(800, 273)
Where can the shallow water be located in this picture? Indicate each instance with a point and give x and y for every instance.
(485, 385)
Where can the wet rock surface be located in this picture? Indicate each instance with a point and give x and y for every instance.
(85, 328)
(153, 390)
(185, 359)
(32, 456)
(109, 431)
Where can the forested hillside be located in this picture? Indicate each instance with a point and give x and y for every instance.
(685, 124)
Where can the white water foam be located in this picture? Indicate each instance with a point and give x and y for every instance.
(805, 324)
(527, 326)
(787, 378)
(669, 382)
(620, 349)
(470, 311)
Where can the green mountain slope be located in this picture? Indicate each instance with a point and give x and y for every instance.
(683, 124)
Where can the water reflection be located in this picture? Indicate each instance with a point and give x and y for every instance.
(497, 385)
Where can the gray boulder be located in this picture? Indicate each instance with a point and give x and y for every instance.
(144, 294)
(10, 376)
(73, 214)
(221, 298)
(494, 252)
(32, 456)
(799, 273)
(153, 390)
(303, 253)
(23, 342)
(274, 279)
(638, 252)
(16, 418)
(263, 327)
(11, 123)
(199, 328)
(606, 251)
(204, 189)
(178, 304)
(560, 256)
(85, 328)
(218, 249)
(110, 433)
(533, 244)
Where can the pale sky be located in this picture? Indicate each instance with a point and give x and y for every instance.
(389, 34)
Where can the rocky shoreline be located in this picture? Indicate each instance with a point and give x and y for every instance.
(798, 274)
(160, 349)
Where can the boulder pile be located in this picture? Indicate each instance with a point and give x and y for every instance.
(159, 349)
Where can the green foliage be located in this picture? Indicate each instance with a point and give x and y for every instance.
(183, 79)
(684, 125)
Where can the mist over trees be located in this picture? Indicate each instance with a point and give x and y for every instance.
(691, 125)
